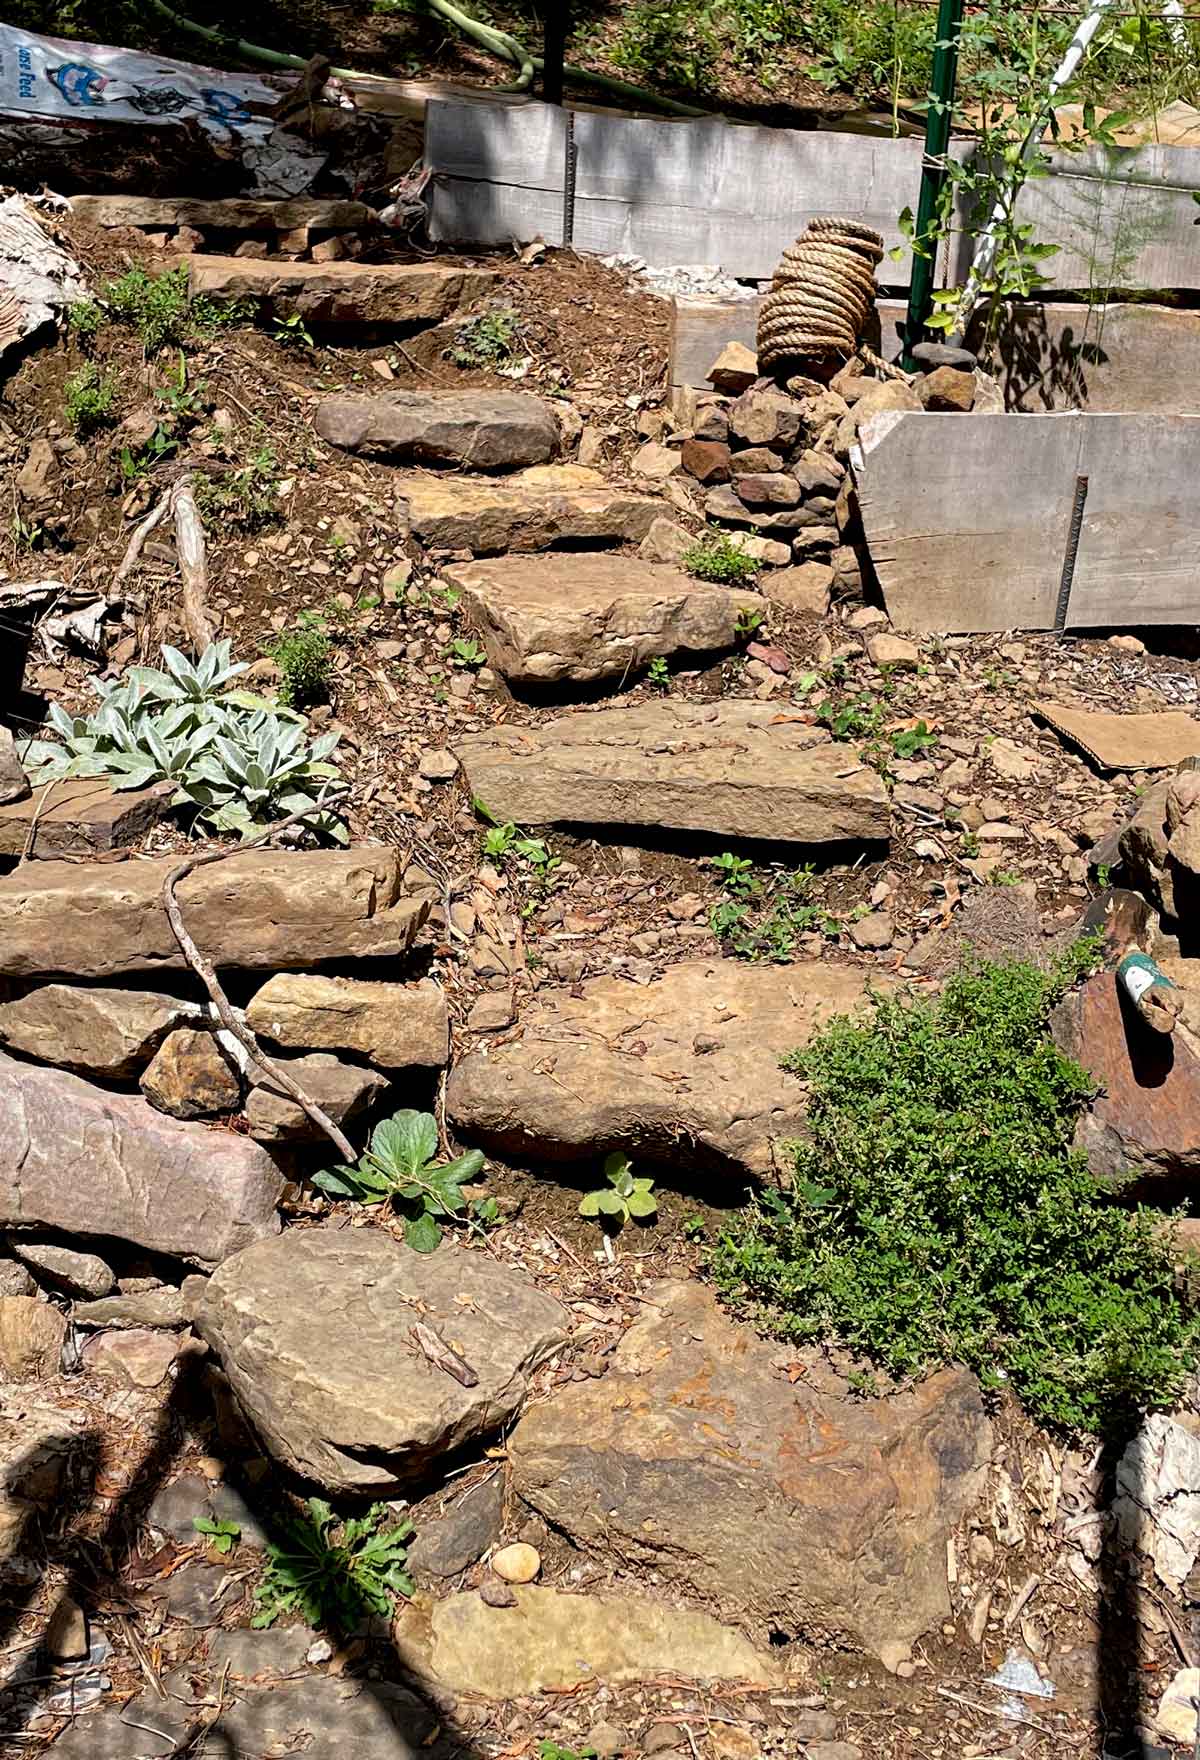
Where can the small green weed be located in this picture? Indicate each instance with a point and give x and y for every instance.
(939, 1214)
(138, 461)
(503, 840)
(748, 625)
(86, 320)
(88, 398)
(334, 1573)
(27, 534)
(624, 1196)
(303, 657)
(553, 1751)
(465, 652)
(1103, 876)
(720, 559)
(399, 1166)
(292, 332)
(159, 309)
(1003, 877)
(764, 918)
(246, 498)
(970, 845)
(913, 742)
(486, 341)
(183, 405)
(658, 674)
(222, 1537)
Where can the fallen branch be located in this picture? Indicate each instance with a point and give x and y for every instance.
(203, 968)
(193, 564)
(129, 561)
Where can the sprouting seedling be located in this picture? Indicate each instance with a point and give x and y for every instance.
(222, 1537)
(623, 1197)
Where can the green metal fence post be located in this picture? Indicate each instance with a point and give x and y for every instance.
(933, 175)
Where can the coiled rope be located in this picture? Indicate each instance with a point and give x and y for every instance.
(821, 297)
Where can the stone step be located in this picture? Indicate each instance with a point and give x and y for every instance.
(694, 1445)
(533, 510)
(231, 214)
(258, 911)
(704, 1088)
(576, 619)
(732, 769)
(343, 293)
(475, 430)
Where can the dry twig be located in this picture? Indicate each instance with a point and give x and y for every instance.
(203, 968)
(141, 532)
(439, 1353)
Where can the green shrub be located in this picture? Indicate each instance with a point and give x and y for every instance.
(720, 559)
(334, 1573)
(88, 398)
(302, 656)
(939, 1214)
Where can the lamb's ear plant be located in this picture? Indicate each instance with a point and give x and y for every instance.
(624, 1196)
(237, 759)
(400, 1166)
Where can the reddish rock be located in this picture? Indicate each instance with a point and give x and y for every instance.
(1145, 1124)
(706, 460)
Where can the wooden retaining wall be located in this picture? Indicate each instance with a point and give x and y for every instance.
(710, 191)
(966, 518)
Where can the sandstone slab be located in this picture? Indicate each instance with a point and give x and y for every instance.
(527, 511)
(695, 1446)
(261, 910)
(685, 1067)
(99, 1032)
(576, 619)
(474, 430)
(394, 1026)
(192, 1076)
(343, 293)
(340, 1089)
(806, 587)
(551, 1641)
(734, 769)
(135, 1174)
(84, 816)
(303, 1323)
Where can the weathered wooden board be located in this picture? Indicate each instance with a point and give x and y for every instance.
(1047, 357)
(966, 518)
(719, 192)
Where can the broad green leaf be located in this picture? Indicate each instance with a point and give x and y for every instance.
(422, 1233)
(642, 1204)
(610, 1203)
(406, 1141)
(589, 1204)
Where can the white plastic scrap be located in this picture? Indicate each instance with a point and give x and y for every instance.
(1158, 1497)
